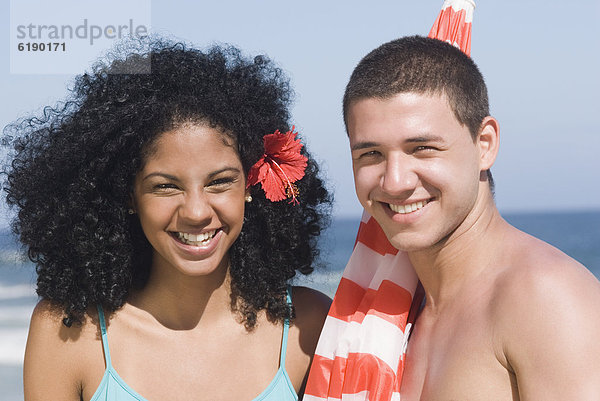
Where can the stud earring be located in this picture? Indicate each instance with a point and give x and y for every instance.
(248, 198)
(130, 211)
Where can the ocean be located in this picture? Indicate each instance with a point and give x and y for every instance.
(576, 234)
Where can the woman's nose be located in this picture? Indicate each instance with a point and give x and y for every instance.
(195, 208)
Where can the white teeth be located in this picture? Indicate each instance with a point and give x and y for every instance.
(196, 239)
(403, 209)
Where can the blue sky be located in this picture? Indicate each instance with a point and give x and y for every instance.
(540, 60)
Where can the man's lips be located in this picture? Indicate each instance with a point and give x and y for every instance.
(406, 208)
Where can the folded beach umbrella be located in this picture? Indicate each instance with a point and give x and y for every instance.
(453, 24)
(361, 352)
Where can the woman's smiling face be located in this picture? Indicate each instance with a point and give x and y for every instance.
(189, 197)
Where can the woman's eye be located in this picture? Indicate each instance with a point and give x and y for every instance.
(165, 187)
(220, 182)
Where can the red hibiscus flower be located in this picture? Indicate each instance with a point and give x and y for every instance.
(281, 165)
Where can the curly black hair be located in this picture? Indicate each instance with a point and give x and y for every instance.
(71, 173)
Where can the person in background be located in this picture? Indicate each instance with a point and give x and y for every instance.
(166, 213)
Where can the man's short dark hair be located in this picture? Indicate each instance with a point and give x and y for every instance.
(422, 65)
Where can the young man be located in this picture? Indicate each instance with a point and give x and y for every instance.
(506, 316)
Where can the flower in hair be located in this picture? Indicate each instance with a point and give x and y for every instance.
(281, 165)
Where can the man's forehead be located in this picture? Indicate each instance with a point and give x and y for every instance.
(404, 118)
(402, 108)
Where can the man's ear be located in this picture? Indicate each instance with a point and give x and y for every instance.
(488, 142)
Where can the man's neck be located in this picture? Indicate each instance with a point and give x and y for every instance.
(445, 268)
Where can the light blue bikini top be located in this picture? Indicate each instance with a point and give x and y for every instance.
(113, 388)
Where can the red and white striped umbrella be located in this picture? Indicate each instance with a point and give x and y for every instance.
(453, 24)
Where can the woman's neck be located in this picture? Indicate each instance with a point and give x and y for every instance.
(183, 302)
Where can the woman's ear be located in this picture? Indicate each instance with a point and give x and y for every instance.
(131, 209)
(488, 142)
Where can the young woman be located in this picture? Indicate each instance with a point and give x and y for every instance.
(166, 213)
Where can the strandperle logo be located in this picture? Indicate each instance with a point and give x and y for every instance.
(85, 30)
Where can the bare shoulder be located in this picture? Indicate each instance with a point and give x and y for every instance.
(311, 309)
(547, 313)
(543, 275)
(47, 328)
(56, 356)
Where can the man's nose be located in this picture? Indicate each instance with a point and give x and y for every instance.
(399, 176)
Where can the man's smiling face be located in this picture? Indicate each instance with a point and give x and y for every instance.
(416, 168)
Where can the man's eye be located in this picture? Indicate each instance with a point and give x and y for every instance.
(424, 148)
(371, 153)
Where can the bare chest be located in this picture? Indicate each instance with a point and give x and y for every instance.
(456, 358)
(174, 367)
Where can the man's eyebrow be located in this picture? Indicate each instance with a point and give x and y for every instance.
(424, 138)
(415, 139)
(363, 145)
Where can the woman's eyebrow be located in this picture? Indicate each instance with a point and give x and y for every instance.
(223, 170)
(159, 174)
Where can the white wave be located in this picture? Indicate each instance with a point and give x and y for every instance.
(18, 315)
(13, 257)
(17, 291)
(319, 277)
(12, 345)
(324, 281)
